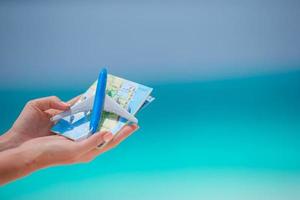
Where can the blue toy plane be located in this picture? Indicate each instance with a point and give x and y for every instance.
(100, 101)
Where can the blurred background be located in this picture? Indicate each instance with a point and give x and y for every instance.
(226, 76)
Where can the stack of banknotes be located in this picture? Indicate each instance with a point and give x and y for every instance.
(130, 95)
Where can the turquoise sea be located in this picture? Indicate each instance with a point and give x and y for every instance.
(235, 138)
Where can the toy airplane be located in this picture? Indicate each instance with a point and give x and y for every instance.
(100, 101)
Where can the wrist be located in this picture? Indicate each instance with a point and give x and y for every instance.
(32, 157)
(9, 140)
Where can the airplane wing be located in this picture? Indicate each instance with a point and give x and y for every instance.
(86, 105)
(112, 106)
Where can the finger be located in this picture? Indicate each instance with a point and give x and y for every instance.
(89, 156)
(47, 103)
(95, 140)
(74, 100)
(53, 112)
(124, 133)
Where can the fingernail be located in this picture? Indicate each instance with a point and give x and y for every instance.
(108, 137)
(131, 123)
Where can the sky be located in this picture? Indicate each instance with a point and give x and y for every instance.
(65, 43)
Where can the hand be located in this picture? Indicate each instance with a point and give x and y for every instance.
(52, 150)
(38, 147)
(57, 150)
(33, 121)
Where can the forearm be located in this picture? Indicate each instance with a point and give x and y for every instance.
(16, 163)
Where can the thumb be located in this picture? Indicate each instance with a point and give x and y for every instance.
(94, 141)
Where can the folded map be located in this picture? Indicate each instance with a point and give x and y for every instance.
(130, 95)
